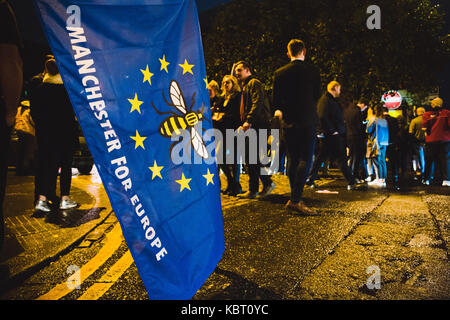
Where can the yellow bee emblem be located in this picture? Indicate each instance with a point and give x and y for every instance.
(186, 119)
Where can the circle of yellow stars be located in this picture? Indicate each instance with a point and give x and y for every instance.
(139, 140)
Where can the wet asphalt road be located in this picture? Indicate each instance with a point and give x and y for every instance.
(274, 255)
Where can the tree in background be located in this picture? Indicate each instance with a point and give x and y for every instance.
(406, 53)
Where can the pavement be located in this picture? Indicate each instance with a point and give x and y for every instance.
(35, 239)
(271, 254)
(379, 244)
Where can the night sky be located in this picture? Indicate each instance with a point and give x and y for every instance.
(35, 42)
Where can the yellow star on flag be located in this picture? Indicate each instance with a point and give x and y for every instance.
(139, 140)
(156, 170)
(187, 67)
(184, 183)
(147, 75)
(135, 103)
(164, 63)
(209, 177)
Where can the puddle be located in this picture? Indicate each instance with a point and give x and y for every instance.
(70, 218)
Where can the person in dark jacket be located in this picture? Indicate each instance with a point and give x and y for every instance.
(56, 134)
(332, 124)
(296, 89)
(226, 117)
(356, 137)
(254, 114)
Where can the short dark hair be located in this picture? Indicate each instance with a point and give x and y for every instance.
(295, 46)
(363, 100)
(379, 110)
(51, 67)
(245, 65)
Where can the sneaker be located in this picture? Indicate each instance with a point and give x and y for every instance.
(67, 204)
(267, 190)
(235, 191)
(376, 183)
(311, 184)
(446, 183)
(301, 208)
(247, 195)
(356, 186)
(43, 206)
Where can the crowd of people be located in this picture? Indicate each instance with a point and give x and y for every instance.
(316, 127)
(360, 137)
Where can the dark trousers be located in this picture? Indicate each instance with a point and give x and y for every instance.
(334, 149)
(232, 175)
(53, 156)
(254, 169)
(300, 149)
(437, 154)
(357, 148)
(25, 153)
(397, 155)
(229, 164)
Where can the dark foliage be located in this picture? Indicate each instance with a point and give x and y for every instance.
(406, 53)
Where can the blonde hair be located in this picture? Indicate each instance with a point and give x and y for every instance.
(213, 85)
(51, 67)
(235, 88)
(437, 102)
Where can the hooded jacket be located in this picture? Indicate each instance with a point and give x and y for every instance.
(437, 125)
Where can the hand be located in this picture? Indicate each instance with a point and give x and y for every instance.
(278, 114)
(244, 127)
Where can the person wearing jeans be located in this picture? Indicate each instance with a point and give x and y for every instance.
(378, 140)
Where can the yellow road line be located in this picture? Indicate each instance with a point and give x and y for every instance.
(113, 241)
(98, 289)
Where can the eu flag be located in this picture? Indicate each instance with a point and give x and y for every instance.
(135, 74)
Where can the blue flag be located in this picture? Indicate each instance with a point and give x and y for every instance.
(135, 74)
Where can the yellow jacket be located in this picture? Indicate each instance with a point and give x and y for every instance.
(24, 122)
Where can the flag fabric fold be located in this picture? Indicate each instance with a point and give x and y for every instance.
(135, 74)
